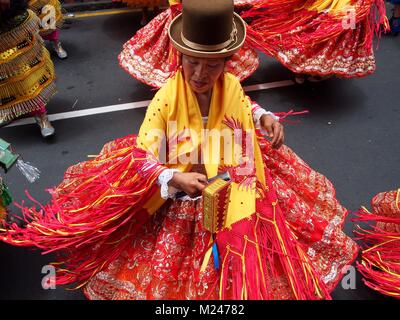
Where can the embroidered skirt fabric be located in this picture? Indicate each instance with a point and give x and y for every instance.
(165, 257)
(303, 39)
(312, 38)
(380, 258)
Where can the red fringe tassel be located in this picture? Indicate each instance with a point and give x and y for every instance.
(380, 262)
(93, 213)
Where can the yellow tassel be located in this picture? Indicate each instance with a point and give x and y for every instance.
(392, 238)
(27, 104)
(258, 254)
(207, 256)
(290, 276)
(366, 210)
(221, 280)
(244, 285)
(331, 6)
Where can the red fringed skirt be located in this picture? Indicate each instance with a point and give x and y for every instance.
(304, 41)
(319, 43)
(380, 259)
(167, 252)
(150, 57)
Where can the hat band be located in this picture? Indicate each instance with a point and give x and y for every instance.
(214, 47)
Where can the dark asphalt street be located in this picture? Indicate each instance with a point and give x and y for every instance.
(351, 135)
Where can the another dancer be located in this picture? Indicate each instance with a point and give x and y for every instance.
(26, 70)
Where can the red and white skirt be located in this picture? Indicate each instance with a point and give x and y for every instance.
(165, 257)
(150, 57)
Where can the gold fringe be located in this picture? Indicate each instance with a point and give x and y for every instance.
(36, 103)
(331, 6)
(25, 74)
(25, 56)
(13, 53)
(28, 87)
(12, 38)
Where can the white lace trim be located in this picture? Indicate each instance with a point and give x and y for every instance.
(163, 180)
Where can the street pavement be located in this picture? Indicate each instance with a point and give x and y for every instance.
(351, 133)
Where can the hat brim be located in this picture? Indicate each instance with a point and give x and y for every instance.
(175, 31)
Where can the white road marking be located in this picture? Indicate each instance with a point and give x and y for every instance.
(269, 85)
(133, 105)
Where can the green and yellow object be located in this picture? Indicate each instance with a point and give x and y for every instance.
(7, 157)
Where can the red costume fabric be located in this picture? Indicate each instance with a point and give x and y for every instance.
(165, 256)
(380, 259)
(150, 57)
(281, 235)
(310, 41)
(304, 39)
(117, 251)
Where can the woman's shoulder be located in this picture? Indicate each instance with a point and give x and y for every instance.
(231, 77)
(168, 90)
(232, 82)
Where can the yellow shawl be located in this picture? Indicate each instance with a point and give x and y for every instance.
(174, 112)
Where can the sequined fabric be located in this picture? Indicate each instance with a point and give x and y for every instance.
(317, 42)
(387, 204)
(380, 240)
(344, 56)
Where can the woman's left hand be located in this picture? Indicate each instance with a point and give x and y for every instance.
(274, 129)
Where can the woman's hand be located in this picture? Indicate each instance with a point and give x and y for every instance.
(4, 4)
(192, 183)
(274, 129)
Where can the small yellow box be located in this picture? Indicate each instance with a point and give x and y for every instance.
(215, 205)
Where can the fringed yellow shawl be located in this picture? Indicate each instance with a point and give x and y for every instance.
(174, 123)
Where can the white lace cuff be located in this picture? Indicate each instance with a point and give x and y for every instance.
(259, 112)
(163, 180)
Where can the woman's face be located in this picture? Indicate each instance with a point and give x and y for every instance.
(202, 73)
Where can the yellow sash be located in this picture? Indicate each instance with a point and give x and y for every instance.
(174, 116)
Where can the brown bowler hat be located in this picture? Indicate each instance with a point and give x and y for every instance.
(207, 29)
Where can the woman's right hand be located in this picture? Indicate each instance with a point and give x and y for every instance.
(192, 183)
